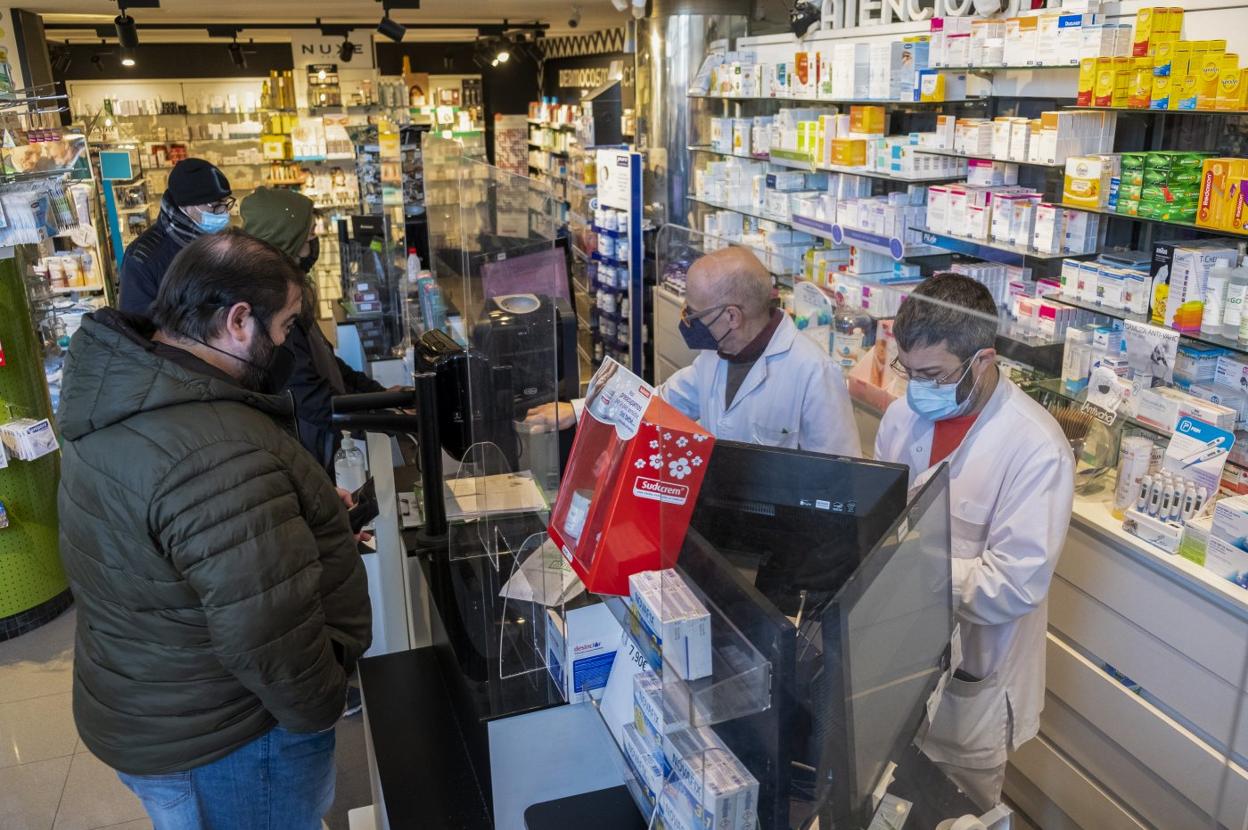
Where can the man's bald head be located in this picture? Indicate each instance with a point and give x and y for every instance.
(730, 276)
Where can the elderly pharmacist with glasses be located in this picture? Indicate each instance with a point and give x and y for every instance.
(197, 201)
(755, 379)
(1011, 487)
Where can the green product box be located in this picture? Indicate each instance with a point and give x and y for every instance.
(1128, 207)
(1130, 192)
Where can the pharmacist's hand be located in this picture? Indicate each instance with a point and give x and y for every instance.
(550, 417)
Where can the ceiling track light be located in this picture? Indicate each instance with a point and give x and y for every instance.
(346, 49)
(237, 55)
(127, 32)
(127, 58)
(390, 27)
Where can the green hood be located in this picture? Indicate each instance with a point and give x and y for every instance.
(279, 217)
(112, 373)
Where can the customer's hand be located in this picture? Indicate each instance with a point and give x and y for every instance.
(550, 417)
(349, 501)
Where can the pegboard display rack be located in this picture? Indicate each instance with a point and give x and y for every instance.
(33, 586)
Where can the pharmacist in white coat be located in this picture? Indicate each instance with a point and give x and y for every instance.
(1011, 482)
(755, 380)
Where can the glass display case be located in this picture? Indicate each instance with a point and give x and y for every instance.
(784, 663)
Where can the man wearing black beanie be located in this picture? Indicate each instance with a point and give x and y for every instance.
(197, 201)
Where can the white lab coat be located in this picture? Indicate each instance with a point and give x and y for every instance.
(794, 396)
(1011, 488)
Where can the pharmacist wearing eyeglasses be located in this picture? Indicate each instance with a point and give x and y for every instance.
(754, 379)
(1011, 488)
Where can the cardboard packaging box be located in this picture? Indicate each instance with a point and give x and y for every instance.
(674, 620)
(581, 649)
(724, 792)
(631, 482)
(1227, 560)
(1086, 182)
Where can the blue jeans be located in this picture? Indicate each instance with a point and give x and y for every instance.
(280, 781)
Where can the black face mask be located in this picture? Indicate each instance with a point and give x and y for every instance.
(314, 252)
(267, 369)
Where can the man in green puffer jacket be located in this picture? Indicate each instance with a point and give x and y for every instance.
(221, 599)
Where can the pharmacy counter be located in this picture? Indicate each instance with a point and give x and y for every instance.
(1147, 654)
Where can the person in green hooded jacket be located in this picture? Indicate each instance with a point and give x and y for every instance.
(284, 219)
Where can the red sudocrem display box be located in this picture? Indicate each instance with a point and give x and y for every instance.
(631, 482)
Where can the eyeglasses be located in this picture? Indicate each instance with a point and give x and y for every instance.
(688, 315)
(896, 366)
(223, 206)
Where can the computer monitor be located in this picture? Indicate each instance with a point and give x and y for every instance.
(800, 522)
(885, 645)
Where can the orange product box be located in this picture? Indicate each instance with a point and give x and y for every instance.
(1087, 82)
(632, 480)
(1236, 218)
(1212, 210)
(867, 120)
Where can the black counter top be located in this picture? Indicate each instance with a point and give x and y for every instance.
(426, 774)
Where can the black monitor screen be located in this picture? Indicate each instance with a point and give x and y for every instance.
(885, 644)
(798, 522)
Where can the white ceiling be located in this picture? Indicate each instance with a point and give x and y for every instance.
(596, 15)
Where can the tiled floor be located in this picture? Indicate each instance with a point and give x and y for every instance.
(50, 781)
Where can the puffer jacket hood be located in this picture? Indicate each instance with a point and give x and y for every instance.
(118, 374)
(218, 584)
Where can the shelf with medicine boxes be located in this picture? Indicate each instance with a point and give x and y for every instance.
(986, 157)
(883, 102)
(1191, 226)
(1011, 68)
(1143, 111)
(838, 234)
(1228, 342)
(744, 211)
(801, 161)
(737, 684)
(992, 251)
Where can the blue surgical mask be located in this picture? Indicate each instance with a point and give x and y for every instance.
(697, 334)
(934, 401)
(213, 222)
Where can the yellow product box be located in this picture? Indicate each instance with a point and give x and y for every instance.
(1163, 57)
(1087, 82)
(849, 152)
(1208, 74)
(1184, 91)
(1211, 93)
(932, 87)
(1174, 22)
(1140, 93)
(1184, 54)
(1103, 92)
(1233, 90)
(1148, 22)
(867, 120)
(1084, 182)
(1161, 92)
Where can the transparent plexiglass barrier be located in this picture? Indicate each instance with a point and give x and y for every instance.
(489, 318)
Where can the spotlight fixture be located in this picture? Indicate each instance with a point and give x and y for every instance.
(346, 50)
(62, 61)
(236, 55)
(574, 19)
(127, 58)
(127, 32)
(503, 55)
(390, 27)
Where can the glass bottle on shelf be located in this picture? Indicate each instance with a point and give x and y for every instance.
(853, 334)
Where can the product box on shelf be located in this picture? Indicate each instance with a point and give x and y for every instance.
(646, 762)
(724, 792)
(1230, 521)
(674, 620)
(580, 649)
(651, 715)
(1227, 560)
(1195, 539)
(631, 482)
